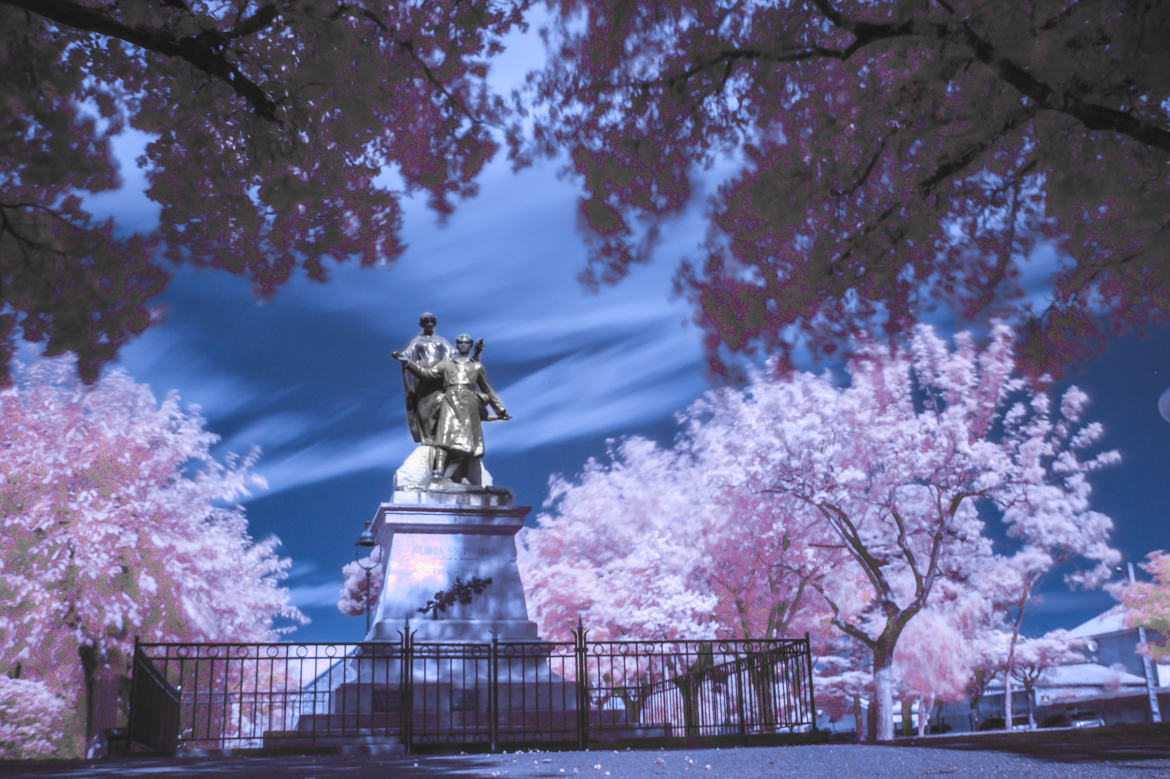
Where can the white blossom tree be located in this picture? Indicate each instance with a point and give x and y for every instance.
(1031, 657)
(621, 549)
(120, 522)
(896, 463)
(32, 719)
(363, 584)
(932, 663)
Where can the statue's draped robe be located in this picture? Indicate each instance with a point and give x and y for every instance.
(424, 393)
(465, 386)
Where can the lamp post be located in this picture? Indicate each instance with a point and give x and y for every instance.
(1147, 666)
(365, 543)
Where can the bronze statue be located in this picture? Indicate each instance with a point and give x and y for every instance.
(458, 434)
(423, 394)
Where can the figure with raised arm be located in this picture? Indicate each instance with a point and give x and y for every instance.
(458, 435)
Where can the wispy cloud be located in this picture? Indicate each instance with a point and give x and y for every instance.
(630, 383)
(331, 458)
(163, 357)
(308, 596)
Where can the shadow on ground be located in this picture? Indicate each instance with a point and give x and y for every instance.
(1121, 752)
(1064, 745)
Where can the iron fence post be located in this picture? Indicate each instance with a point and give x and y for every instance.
(494, 692)
(739, 672)
(812, 701)
(582, 661)
(406, 685)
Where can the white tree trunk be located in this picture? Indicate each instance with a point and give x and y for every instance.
(883, 694)
(1007, 699)
(925, 709)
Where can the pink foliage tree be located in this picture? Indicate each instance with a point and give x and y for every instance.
(621, 549)
(1148, 603)
(32, 719)
(1031, 657)
(885, 158)
(270, 126)
(932, 663)
(120, 522)
(896, 463)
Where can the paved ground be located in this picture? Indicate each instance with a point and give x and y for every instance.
(1104, 752)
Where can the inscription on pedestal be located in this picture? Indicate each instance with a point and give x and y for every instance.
(434, 556)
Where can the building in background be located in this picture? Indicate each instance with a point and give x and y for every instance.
(1109, 689)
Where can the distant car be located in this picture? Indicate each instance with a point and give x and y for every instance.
(1086, 719)
(1079, 719)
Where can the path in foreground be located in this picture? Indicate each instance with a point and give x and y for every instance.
(1106, 752)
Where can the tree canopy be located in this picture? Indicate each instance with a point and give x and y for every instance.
(982, 157)
(277, 129)
(798, 504)
(880, 160)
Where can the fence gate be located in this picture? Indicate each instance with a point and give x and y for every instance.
(154, 708)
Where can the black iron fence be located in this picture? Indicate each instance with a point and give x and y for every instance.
(495, 695)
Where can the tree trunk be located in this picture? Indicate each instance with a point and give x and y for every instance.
(1031, 712)
(101, 701)
(883, 691)
(857, 719)
(1007, 698)
(923, 715)
(88, 657)
(1011, 656)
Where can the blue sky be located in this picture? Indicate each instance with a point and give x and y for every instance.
(307, 376)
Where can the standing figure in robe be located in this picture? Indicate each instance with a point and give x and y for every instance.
(423, 394)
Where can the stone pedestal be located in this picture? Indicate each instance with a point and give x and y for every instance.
(428, 539)
(431, 534)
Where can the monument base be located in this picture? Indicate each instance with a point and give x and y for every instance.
(429, 538)
(475, 668)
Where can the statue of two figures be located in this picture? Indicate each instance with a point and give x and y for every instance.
(447, 400)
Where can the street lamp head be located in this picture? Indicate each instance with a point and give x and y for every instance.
(366, 539)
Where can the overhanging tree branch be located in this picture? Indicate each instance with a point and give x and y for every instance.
(1091, 115)
(203, 51)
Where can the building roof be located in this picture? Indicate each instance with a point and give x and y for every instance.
(1090, 674)
(1111, 621)
(1076, 675)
